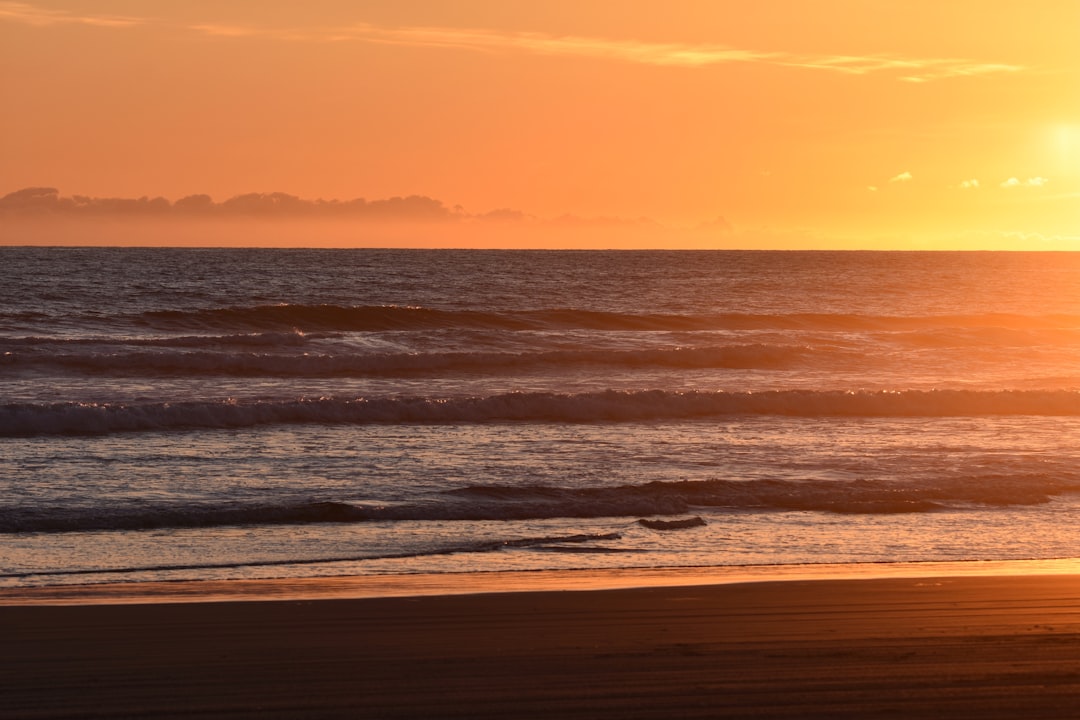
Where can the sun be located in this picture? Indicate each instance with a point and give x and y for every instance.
(1064, 144)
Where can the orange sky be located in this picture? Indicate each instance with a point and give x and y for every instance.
(831, 123)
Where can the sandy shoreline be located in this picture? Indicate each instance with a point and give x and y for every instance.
(973, 646)
(470, 583)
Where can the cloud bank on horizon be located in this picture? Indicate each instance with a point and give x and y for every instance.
(44, 216)
(44, 203)
(286, 220)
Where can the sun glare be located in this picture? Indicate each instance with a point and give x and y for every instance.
(1065, 144)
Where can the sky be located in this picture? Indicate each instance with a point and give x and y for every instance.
(871, 124)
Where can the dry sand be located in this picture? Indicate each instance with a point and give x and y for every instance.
(979, 647)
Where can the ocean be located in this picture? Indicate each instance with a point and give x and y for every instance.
(173, 414)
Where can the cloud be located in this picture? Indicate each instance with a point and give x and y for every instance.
(30, 15)
(677, 54)
(872, 188)
(42, 216)
(719, 224)
(1030, 182)
(47, 202)
(945, 69)
(664, 54)
(972, 184)
(902, 177)
(505, 215)
(672, 54)
(915, 70)
(224, 30)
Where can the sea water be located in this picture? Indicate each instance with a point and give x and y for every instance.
(186, 413)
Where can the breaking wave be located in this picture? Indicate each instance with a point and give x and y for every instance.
(203, 362)
(22, 419)
(253, 339)
(554, 542)
(651, 500)
(330, 317)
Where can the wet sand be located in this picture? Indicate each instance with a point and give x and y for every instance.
(979, 647)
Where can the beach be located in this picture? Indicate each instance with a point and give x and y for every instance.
(997, 646)
(378, 483)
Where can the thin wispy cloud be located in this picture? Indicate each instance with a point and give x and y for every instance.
(669, 54)
(915, 70)
(483, 40)
(537, 43)
(945, 69)
(1030, 182)
(30, 15)
(224, 30)
(902, 177)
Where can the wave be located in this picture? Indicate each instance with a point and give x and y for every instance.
(330, 317)
(203, 362)
(552, 542)
(681, 497)
(640, 502)
(333, 317)
(255, 339)
(23, 419)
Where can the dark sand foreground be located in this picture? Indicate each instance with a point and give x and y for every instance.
(977, 647)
